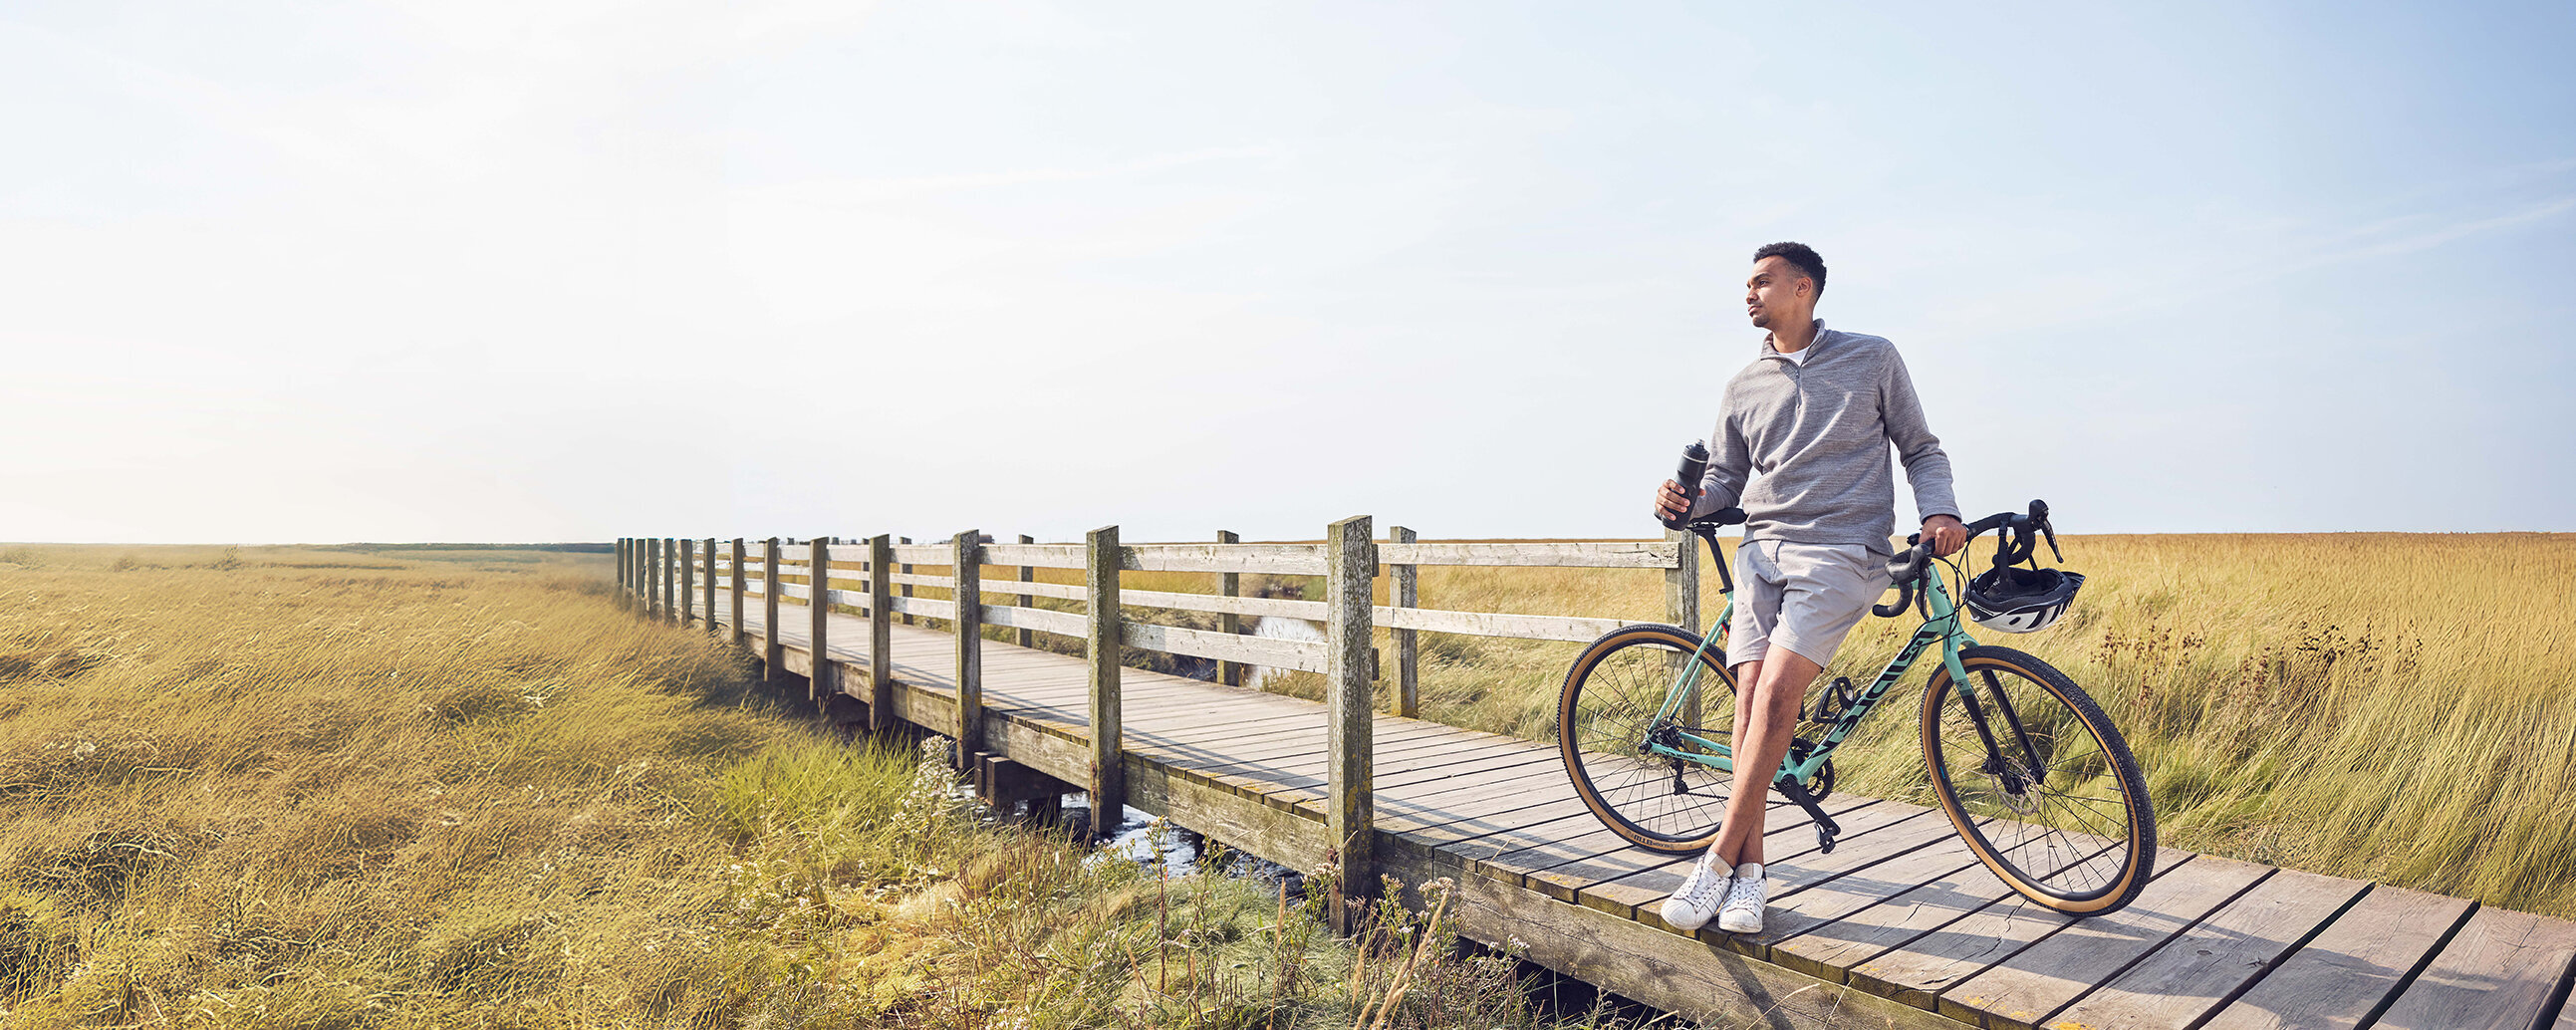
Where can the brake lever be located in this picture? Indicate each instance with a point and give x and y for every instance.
(2050, 533)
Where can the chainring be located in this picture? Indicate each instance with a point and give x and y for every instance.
(1822, 783)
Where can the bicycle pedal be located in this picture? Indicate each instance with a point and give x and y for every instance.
(1824, 840)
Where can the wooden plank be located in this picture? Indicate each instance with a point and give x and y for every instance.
(2019, 992)
(855, 599)
(1044, 556)
(1070, 624)
(1277, 559)
(1788, 837)
(925, 579)
(1279, 836)
(1578, 629)
(926, 607)
(1061, 591)
(2341, 977)
(1879, 928)
(2498, 971)
(1312, 611)
(2182, 981)
(1102, 643)
(1919, 972)
(907, 553)
(1815, 906)
(1620, 554)
(1309, 655)
(1666, 970)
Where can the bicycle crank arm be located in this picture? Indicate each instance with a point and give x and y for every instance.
(1826, 828)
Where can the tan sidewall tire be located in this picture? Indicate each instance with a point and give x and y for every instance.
(2142, 831)
(1713, 659)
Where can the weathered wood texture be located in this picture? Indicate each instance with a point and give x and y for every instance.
(1404, 590)
(1349, 742)
(969, 630)
(1102, 641)
(1229, 585)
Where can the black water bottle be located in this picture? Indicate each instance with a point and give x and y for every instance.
(1694, 466)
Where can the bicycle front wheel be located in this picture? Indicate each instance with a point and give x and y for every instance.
(2039, 783)
(1609, 713)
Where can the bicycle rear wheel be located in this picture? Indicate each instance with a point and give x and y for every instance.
(1607, 714)
(2039, 783)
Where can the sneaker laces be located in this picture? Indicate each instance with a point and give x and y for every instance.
(1697, 886)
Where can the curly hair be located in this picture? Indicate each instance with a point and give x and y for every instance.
(1799, 254)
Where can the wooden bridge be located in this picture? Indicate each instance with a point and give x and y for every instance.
(1898, 926)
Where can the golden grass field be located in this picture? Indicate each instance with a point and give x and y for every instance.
(319, 788)
(2380, 706)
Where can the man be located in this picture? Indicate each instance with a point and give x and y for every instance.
(1813, 415)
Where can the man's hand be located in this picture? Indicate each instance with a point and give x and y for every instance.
(1946, 533)
(1670, 502)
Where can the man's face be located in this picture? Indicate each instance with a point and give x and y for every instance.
(1778, 294)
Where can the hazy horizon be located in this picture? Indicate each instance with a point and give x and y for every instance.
(483, 271)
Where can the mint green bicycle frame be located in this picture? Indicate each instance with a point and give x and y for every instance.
(1942, 627)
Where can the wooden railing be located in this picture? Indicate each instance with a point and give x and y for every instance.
(876, 578)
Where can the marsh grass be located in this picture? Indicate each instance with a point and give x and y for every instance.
(2384, 706)
(281, 787)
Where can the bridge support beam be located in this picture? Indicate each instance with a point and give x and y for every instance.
(1350, 809)
(880, 632)
(773, 654)
(966, 572)
(1103, 640)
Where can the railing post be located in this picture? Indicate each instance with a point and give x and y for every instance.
(1681, 608)
(967, 572)
(880, 632)
(1027, 573)
(906, 570)
(1103, 637)
(739, 577)
(1403, 591)
(1350, 568)
(1229, 584)
(621, 569)
(670, 580)
(688, 581)
(823, 681)
(644, 576)
(709, 560)
(773, 654)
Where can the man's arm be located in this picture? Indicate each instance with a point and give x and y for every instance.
(1730, 463)
(1721, 485)
(1927, 468)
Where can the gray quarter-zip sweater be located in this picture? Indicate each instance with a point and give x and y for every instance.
(1817, 434)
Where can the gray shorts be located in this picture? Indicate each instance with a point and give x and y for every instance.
(1803, 597)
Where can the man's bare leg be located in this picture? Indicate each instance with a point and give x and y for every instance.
(1766, 718)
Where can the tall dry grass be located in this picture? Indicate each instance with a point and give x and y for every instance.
(279, 787)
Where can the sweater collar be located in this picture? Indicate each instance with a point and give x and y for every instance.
(1817, 341)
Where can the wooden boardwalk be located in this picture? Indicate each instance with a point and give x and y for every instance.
(1899, 926)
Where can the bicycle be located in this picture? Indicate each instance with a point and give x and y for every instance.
(2036, 780)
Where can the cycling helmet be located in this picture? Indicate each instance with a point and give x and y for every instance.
(2012, 599)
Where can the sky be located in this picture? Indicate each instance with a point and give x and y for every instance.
(570, 271)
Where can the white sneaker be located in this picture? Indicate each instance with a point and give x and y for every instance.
(1745, 898)
(1702, 891)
